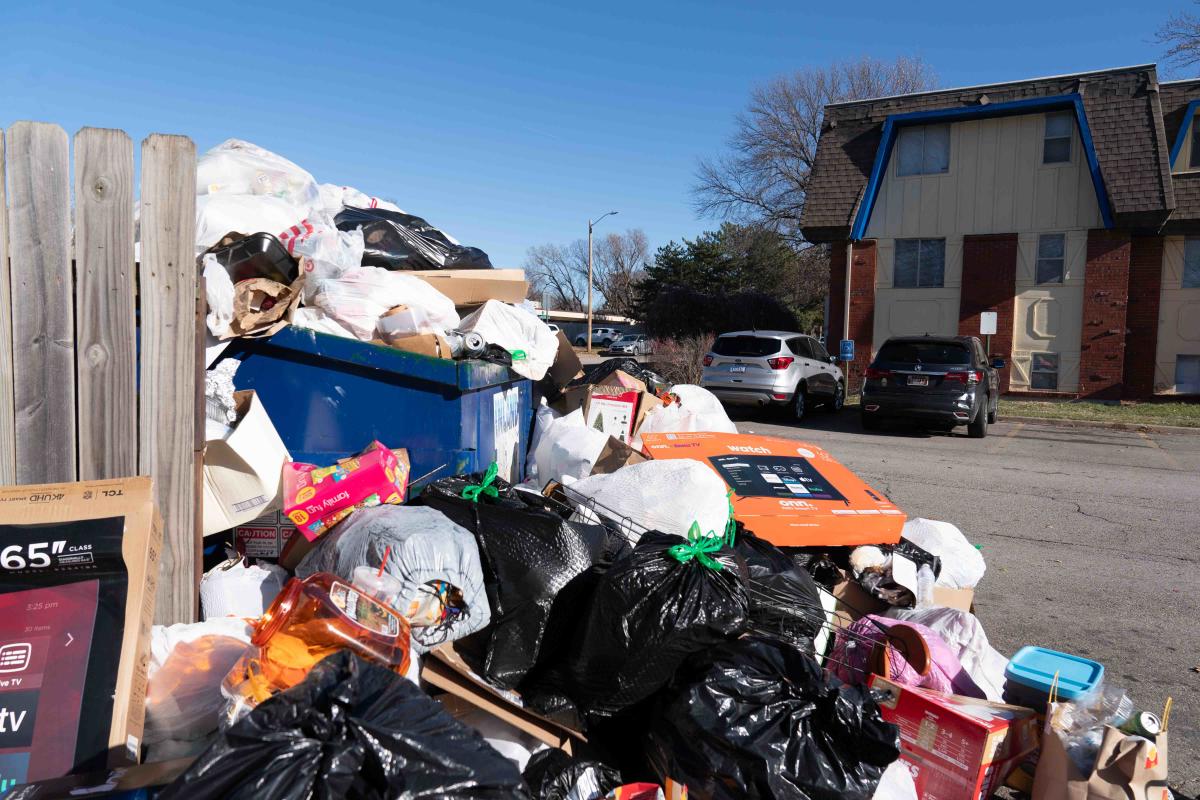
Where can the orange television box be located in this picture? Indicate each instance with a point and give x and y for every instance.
(790, 493)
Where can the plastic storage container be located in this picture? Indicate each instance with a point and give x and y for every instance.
(309, 620)
(1031, 672)
(259, 255)
(329, 396)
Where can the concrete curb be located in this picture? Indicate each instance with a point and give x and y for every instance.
(1090, 423)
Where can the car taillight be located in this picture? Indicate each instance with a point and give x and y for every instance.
(874, 373)
(967, 377)
(781, 362)
(708, 361)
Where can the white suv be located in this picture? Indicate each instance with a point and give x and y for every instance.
(600, 336)
(773, 368)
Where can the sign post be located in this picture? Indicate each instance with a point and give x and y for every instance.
(846, 350)
(987, 326)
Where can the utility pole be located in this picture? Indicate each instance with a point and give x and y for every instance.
(592, 224)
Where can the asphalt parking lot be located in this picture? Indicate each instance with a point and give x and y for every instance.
(1091, 537)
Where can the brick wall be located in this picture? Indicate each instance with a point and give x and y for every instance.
(1105, 301)
(1141, 319)
(862, 306)
(989, 283)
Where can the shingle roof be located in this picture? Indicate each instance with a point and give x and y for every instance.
(1123, 113)
(1174, 98)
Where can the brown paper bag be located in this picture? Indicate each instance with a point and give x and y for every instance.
(1126, 766)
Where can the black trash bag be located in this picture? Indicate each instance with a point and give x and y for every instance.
(784, 601)
(400, 241)
(762, 721)
(554, 775)
(529, 553)
(648, 614)
(351, 729)
(656, 383)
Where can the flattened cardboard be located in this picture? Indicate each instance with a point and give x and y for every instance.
(566, 366)
(75, 528)
(476, 286)
(264, 537)
(242, 472)
(425, 344)
(444, 668)
(793, 494)
(956, 747)
(854, 602)
(616, 454)
(613, 411)
(120, 781)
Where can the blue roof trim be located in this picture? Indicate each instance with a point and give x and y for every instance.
(1188, 116)
(896, 121)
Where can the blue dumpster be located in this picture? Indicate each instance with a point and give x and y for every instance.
(329, 397)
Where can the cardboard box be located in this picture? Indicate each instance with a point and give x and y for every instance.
(957, 748)
(76, 607)
(124, 782)
(317, 498)
(791, 493)
(242, 472)
(612, 410)
(854, 602)
(476, 286)
(265, 537)
(425, 344)
(566, 366)
(445, 669)
(616, 454)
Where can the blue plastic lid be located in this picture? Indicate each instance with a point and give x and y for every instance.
(1035, 667)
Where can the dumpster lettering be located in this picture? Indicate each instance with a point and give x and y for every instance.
(506, 428)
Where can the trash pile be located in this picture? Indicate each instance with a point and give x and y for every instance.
(522, 579)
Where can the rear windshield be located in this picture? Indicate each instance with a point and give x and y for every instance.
(746, 346)
(924, 353)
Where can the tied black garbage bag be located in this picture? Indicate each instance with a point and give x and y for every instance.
(401, 241)
(529, 553)
(352, 729)
(763, 722)
(664, 601)
(784, 601)
(554, 775)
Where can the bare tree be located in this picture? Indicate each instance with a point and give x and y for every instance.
(764, 176)
(1181, 35)
(560, 272)
(619, 263)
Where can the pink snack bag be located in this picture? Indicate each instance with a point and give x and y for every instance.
(317, 498)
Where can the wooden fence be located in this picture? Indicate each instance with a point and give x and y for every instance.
(99, 362)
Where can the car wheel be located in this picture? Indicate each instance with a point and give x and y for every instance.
(993, 414)
(799, 404)
(977, 429)
(839, 399)
(869, 423)
(580, 342)
(606, 343)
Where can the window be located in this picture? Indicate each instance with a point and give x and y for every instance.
(1043, 371)
(920, 263)
(1051, 249)
(1191, 263)
(1056, 147)
(819, 351)
(752, 346)
(1187, 374)
(1194, 160)
(943, 353)
(924, 150)
(799, 346)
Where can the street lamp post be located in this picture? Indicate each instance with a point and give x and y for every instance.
(591, 224)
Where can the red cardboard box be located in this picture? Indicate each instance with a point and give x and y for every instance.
(791, 493)
(957, 748)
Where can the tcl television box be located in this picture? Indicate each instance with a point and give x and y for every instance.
(78, 571)
(790, 493)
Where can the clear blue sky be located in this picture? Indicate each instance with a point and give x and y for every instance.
(508, 123)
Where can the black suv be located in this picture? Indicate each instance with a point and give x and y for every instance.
(942, 381)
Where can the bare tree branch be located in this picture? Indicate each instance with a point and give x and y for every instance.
(1181, 34)
(559, 272)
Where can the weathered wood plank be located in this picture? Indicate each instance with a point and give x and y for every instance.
(8, 444)
(105, 288)
(167, 288)
(42, 303)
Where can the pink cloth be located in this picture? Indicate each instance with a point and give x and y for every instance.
(851, 658)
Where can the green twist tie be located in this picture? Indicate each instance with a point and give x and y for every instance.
(471, 491)
(698, 546)
(518, 355)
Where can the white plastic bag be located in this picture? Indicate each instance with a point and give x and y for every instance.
(965, 635)
(324, 251)
(543, 417)
(239, 167)
(530, 341)
(666, 496)
(219, 214)
(360, 296)
(314, 319)
(896, 783)
(567, 447)
(232, 589)
(697, 410)
(335, 197)
(962, 565)
(509, 740)
(218, 288)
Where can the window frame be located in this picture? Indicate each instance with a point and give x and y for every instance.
(1047, 138)
(818, 349)
(1039, 258)
(1033, 372)
(1194, 156)
(1192, 282)
(921, 245)
(908, 132)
